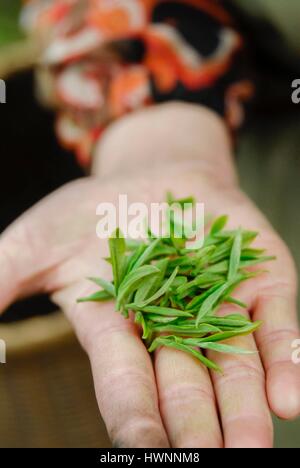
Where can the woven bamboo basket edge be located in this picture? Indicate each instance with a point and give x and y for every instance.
(36, 334)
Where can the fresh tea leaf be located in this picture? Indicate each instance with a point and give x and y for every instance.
(157, 310)
(187, 330)
(117, 247)
(132, 281)
(164, 341)
(235, 256)
(146, 254)
(132, 259)
(139, 318)
(232, 300)
(174, 292)
(226, 349)
(161, 319)
(164, 289)
(243, 331)
(218, 225)
(106, 285)
(100, 296)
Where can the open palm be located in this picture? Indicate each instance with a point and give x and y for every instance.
(170, 400)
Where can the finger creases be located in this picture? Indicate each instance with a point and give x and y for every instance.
(241, 397)
(279, 342)
(187, 401)
(123, 376)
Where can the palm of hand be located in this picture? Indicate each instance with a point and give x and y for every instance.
(172, 400)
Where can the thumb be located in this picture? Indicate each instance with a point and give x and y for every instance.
(25, 262)
(43, 238)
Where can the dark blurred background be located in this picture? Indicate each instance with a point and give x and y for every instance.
(33, 164)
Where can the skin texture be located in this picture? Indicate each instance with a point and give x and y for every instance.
(168, 400)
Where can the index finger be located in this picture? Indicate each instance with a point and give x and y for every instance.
(123, 375)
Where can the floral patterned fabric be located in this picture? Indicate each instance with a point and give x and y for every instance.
(105, 58)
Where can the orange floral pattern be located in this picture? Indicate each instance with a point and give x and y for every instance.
(107, 58)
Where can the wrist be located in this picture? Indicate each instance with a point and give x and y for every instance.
(172, 134)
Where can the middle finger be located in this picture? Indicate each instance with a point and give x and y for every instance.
(187, 401)
(241, 396)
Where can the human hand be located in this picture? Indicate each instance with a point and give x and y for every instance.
(170, 400)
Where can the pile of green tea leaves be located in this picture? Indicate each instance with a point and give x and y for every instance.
(175, 292)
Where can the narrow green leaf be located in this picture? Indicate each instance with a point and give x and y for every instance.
(197, 301)
(205, 280)
(158, 279)
(181, 347)
(247, 236)
(106, 285)
(181, 201)
(204, 260)
(185, 261)
(197, 253)
(132, 281)
(232, 300)
(235, 256)
(100, 296)
(146, 254)
(222, 251)
(251, 254)
(179, 281)
(218, 268)
(212, 300)
(218, 225)
(223, 348)
(164, 289)
(131, 260)
(161, 318)
(144, 288)
(228, 321)
(177, 303)
(165, 300)
(249, 263)
(117, 247)
(162, 251)
(132, 244)
(186, 330)
(139, 319)
(238, 317)
(157, 310)
(243, 331)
